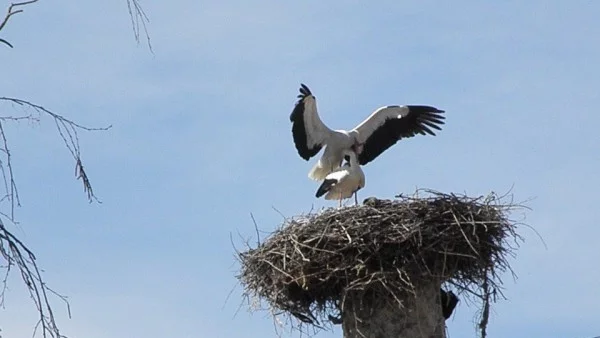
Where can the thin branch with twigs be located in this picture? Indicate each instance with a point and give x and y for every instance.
(17, 254)
(68, 131)
(12, 11)
(12, 250)
(139, 19)
(137, 16)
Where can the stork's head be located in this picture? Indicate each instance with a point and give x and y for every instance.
(347, 154)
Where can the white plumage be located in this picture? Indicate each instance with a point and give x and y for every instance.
(344, 181)
(382, 129)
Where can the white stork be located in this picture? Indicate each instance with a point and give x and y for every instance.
(382, 129)
(345, 181)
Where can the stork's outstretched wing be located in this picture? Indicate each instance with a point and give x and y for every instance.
(388, 124)
(309, 132)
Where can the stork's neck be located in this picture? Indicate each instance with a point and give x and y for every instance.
(353, 159)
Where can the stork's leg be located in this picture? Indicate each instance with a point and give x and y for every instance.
(356, 198)
(340, 199)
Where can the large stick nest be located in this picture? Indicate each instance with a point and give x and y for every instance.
(312, 262)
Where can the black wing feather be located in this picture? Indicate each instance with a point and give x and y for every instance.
(298, 127)
(421, 120)
(325, 187)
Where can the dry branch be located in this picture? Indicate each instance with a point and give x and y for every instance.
(12, 10)
(138, 16)
(13, 252)
(382, 250)
(68, 131)
(16, 254)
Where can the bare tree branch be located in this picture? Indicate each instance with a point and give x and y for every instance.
(17, 254)
(68, 131)
(12, 11)
(6, 43)
(137, 15)
(12, 250)
(12, 193)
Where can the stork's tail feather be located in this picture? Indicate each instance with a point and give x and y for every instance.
(325, 187)
(319, 172)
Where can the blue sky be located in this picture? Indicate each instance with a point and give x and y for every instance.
(201, 139)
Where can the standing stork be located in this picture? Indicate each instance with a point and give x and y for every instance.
(345, 181)
(382, 129)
